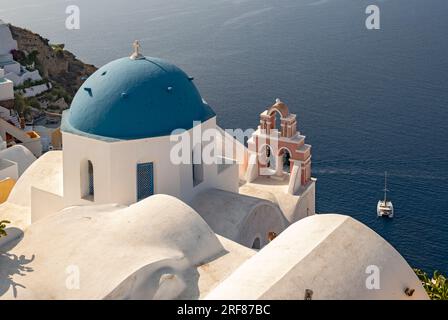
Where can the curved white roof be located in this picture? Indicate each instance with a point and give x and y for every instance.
(119, 252)
(19, 154)
(45, 173)
(239, 217)
(327, 254)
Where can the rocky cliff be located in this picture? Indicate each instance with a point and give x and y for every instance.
(58, 65)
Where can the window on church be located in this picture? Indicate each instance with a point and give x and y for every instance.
(145, 180)
(91, 182)
(197, 166)
(87, 181)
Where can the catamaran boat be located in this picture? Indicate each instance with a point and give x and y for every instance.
(385, 208)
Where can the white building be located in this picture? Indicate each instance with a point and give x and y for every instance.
(12, 134)
(114, 207)
(6, 88)
(7, 45)
(14, 161)
(123, 116)
(13, 70)
(3, 144)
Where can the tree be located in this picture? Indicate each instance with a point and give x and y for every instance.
(19, 103)
(3, 224)
(21, 106)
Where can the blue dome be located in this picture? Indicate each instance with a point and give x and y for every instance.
(134, 99)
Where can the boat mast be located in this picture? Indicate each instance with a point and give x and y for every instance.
(385, 186)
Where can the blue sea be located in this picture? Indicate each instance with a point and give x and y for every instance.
(368, 101)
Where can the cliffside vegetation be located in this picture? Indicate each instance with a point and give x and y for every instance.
(3, 224)
(61, 71)
(436, 286)
(54, 63)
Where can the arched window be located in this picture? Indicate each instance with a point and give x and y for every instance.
(286, 162)
(87, 180)
(91, 182)
(256, 244)
(267, 157)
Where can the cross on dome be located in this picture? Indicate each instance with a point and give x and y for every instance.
(136, 54)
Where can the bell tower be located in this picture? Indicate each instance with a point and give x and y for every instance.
(279, 148)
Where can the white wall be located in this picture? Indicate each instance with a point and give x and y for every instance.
(12, 69)
(6, 90)
(5, 113)
(115, 165)
(8, 169)
(77, 150)
(7, 43)
(3, 145)
(34, 146)
(13, 74)
(36, 90)
(44, 203)
(307, 204)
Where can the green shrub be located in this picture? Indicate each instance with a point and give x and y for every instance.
(59, 92)
(33, 103)
(57, 46)
(3, 224)
(436, 287)
(58, 49)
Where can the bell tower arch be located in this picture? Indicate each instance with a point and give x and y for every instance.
(289, 157)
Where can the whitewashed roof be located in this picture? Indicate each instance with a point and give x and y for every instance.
(328, 254)
(19, 154)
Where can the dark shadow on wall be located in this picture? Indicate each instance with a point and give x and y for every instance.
(12, 265)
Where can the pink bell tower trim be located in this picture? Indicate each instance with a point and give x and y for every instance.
(275, 146)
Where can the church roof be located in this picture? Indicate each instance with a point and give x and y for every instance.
(328, 255)
(136, 98)
(122, 252)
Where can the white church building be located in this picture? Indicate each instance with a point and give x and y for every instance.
(133, 224)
